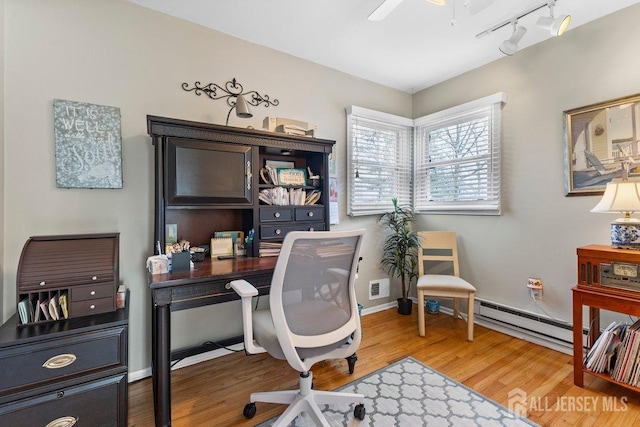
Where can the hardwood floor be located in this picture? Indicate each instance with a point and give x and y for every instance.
(213, 393)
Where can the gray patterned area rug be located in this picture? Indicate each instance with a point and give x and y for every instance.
(409, 393)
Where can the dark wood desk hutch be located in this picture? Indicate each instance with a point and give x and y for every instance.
(207, 179)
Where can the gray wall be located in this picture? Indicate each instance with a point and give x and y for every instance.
(540, 228)
(119, 54)
(115, 53)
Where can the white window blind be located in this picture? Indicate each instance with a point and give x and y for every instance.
(379, 162)
(457, 159)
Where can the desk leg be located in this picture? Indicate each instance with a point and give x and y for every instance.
(578, 375)
(162, 364)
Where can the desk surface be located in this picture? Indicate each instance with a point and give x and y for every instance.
(213, 268)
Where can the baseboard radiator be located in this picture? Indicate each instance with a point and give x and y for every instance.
(559, 333)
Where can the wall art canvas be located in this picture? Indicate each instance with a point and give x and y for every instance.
(88, 145)
(602, 140)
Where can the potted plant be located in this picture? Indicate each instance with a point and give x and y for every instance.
(400, 250)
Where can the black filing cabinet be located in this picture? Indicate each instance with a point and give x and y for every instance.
(70, 372)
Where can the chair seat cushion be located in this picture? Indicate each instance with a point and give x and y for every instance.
(316, 318)
(443, 282)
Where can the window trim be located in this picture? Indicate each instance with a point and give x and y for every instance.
(461, 208)
(386, 119)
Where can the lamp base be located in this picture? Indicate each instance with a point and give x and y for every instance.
(625, 235)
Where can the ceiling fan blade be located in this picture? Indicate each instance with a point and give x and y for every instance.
(384, 9)
(476, 6)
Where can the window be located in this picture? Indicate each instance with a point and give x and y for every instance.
(451, 165)
(457, 159)
(379, 166)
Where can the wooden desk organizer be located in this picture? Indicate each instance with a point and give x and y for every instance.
(81, 268)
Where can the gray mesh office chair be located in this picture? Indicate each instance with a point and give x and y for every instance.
(313, 316)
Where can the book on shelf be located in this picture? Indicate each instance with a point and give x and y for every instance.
(25, 311)
(267, 249)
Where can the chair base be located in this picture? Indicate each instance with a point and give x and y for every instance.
(305, 399)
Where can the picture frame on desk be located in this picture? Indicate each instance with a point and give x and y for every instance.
(287, 176)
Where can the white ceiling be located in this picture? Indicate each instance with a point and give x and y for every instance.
(415, 47)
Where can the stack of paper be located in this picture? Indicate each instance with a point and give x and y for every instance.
(269, 249)
(603, 353)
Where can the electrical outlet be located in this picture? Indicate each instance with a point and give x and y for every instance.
(379, 288)
(535, 288)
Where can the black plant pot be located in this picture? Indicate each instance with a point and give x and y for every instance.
(404, 306)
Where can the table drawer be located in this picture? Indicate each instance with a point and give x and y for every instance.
(309, 213)
(23, 366)
(89, 292)
(92, 306)
(280, 230)
(92, 404)
(276, 213)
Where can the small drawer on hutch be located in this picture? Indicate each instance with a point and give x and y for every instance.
(308, 213)
(280, 213)
(28, 365)
(82, 293)
(279, 231)
(91, 306)
(91, 404)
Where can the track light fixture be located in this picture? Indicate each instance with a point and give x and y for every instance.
(510, 46)
(556, 26)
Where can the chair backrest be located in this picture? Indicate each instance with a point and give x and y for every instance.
(312, 296)
(438, 246)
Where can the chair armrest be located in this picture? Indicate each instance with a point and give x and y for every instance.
(247, 291)
(244, 288)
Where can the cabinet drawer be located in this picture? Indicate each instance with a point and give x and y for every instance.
(23, 365)
(308, 213)
(96, 403)
(82, 293)
(92, 306)
(279, 231)
(279, 213)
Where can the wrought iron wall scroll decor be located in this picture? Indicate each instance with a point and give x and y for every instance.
(231, 92)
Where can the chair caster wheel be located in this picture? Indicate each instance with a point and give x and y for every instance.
(359, 412)
(249, 410)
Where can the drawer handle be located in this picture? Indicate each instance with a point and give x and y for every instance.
(43, 283)
(94, 278)
(310, 214)
(63, 422)
(92, 293)
(277, 214)
(278, 231)
(59, 361)
(92, 306)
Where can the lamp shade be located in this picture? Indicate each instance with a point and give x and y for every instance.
(242, 108)
(620, 196)
(510, 46)
(555, 26)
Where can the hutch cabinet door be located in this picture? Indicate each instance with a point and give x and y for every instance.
(208, 173)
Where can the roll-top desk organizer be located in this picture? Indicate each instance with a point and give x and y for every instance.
(72, 371)
(67, 276)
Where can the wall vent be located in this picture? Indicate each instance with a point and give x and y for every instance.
(378, 289)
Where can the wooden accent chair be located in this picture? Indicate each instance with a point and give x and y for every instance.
(440, 246)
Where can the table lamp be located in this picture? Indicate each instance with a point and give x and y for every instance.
(622, 195)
